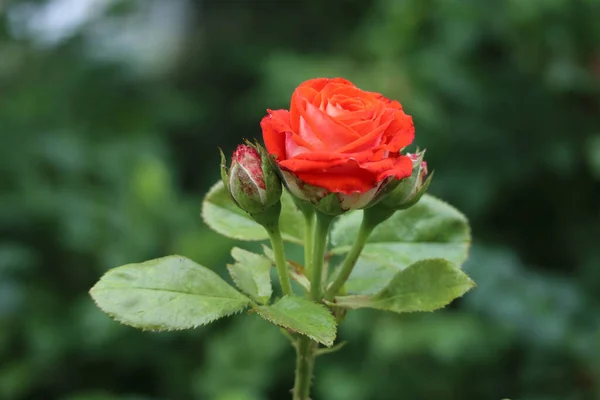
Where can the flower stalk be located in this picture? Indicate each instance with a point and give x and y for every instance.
(280, 261)
(305, 347)
(371, 218)
(305, 361)
(321, 230)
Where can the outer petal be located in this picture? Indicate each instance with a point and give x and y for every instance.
(350, 176)
(331, 157)
(274, 126)
(319, 83)
(347, 178)
(307, 165)
(399, 167)
(328, 156)
(389, 103)
(401, 132)
(295, 145)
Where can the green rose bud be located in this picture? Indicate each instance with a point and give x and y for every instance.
(252, 181)
(409, 190)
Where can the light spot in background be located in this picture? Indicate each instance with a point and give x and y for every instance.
(147, 40)
(49, 24)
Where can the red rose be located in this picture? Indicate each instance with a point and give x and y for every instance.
(339, 138)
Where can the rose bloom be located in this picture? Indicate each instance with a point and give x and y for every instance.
(338, 138)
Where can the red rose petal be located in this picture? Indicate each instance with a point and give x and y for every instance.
(347, 178)
(369, 141)
(297, 164)
(273, 127)
(363, 127)
(401, 132)
(317, 84)
(331, 133)
(295, 145)
(399, 167)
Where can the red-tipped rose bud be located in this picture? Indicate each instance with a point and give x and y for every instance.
(251, 180)
(409, 190)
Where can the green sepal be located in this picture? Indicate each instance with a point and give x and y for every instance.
(224, 170)
(270, 174)
(409, 190)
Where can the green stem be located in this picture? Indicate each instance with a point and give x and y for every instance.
(350, 260)
(309, 219)
(305, 361)
(321, 229)
(305, 347)
(280, 262)
(371, 218)
(270, 221)
(308, 211)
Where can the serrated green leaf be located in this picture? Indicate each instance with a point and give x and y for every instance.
(429, 229)
(225, 217)
(251, 273)
(423, 286)
(168, 293)
(303, 316)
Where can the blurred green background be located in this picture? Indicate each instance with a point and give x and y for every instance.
(111, 112)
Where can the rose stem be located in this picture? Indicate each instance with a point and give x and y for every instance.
(305, 360)
(305, 347)
(308, 239)
(321, 229)
(279, 253)
(308, 211)
(371, 219)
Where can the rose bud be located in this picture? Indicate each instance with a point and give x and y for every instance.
(251, 180)
(409, 190)
(339, 146)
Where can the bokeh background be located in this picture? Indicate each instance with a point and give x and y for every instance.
(111, 112)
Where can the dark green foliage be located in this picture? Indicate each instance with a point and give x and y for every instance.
(107, 147)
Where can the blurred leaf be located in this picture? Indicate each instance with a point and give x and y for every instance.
(168, 293)
(429, 229)
(240, 358)
(251, 273)
(225, 217)
(593, 154)
(15, 378)
(236, 395)
(151, 182)
(303, 316)
(423, 286)
(100, 395)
